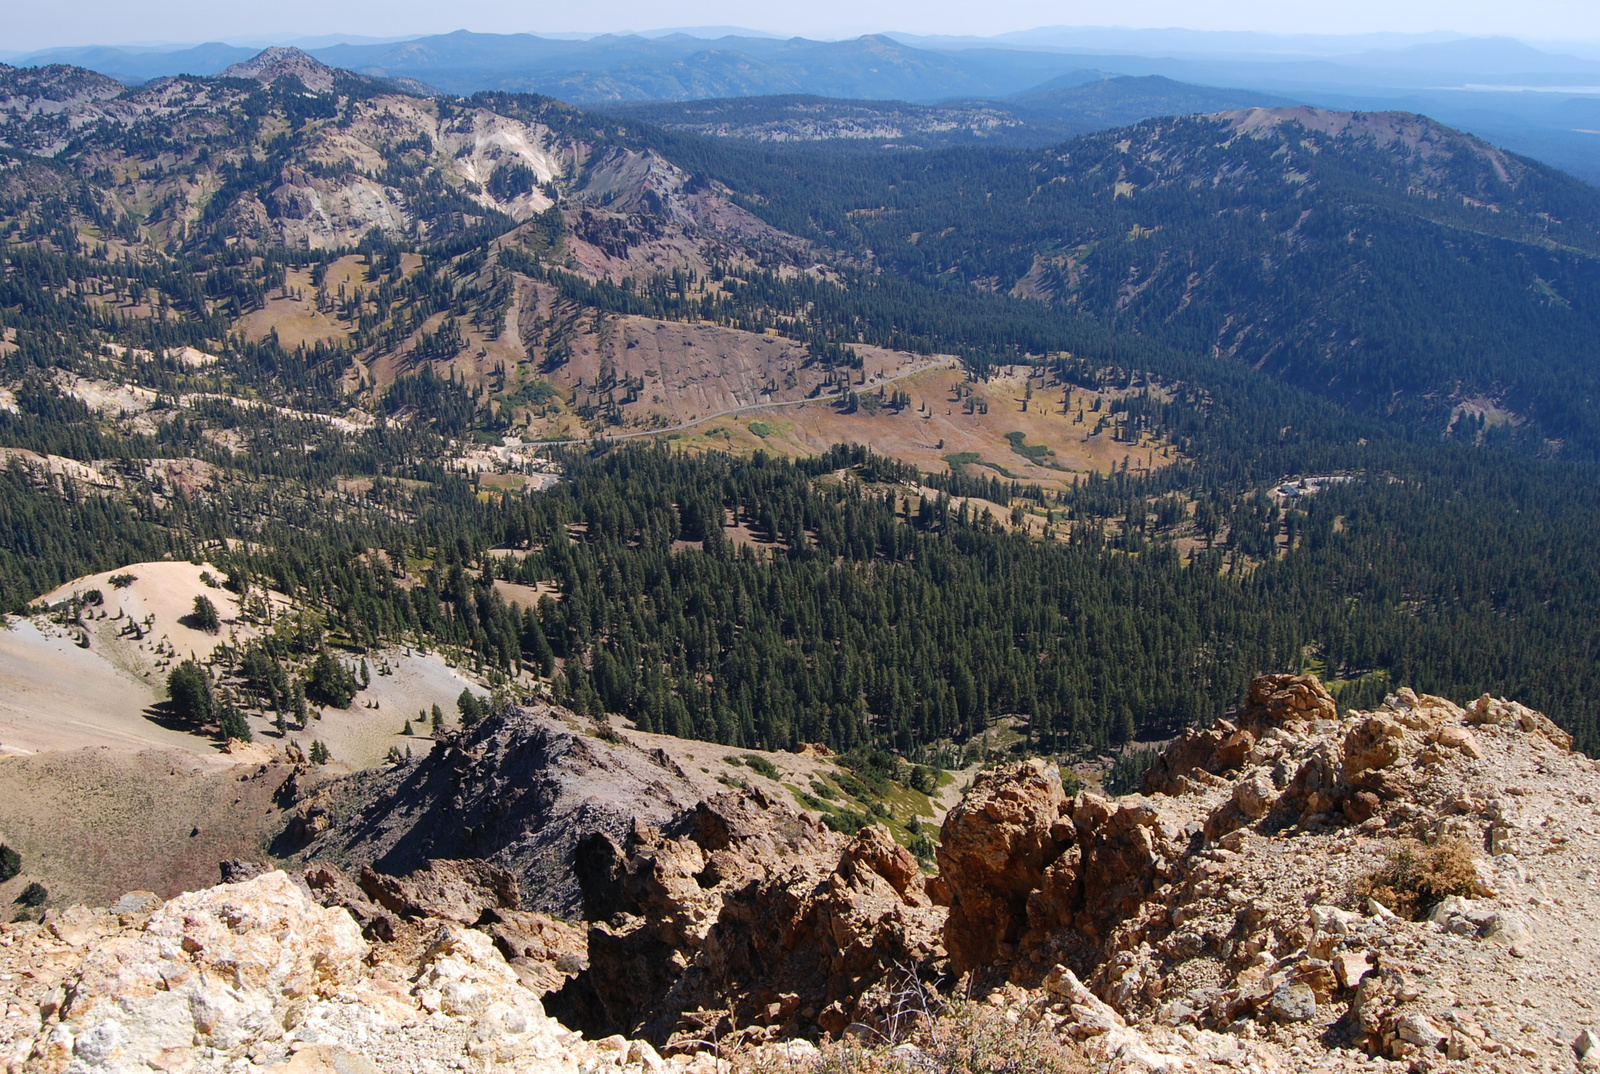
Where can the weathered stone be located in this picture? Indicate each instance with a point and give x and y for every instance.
(455, 890)
(1293, 1001)
(1351, 966)
(1255, 794)
(1375, 742)
(1420, 1031)
(993, 850)
(744, 907)
(1459, 738)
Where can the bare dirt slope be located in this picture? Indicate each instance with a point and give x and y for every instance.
(92, 679)
(91, 824)
(71, 681)
(56, 695)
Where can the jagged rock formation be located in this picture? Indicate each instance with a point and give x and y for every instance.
(258, 975)
(404, 911)
(520, 790)
(1242, 895)
(743, 920)
(1299, 889)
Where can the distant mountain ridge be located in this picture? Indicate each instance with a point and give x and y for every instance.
(1065, 107)
(1454, 79)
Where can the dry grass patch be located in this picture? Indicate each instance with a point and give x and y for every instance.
(965, 1038)
(1418, 877)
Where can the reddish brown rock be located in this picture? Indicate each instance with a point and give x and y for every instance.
(1276, 700)
(1375, 742)
(993, 850)
(1197, 754)
(742, 917)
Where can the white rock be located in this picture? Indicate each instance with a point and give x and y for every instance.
(1419, 1030)
(1380, 911)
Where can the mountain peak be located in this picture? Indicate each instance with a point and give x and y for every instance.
(271, 64)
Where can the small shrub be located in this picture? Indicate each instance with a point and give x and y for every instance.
(921, 847)
(846, 822)
(1416, 878)
(811, 802)
(33, 895)
(823, 790)
(964, 1038)
(762, 765)
(10, 863)
(852, 786)
(123, 580)
(93, 598)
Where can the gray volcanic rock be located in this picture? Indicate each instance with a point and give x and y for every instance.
(520, 790)
(271, 64)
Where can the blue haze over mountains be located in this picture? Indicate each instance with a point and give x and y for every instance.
(1543, 102)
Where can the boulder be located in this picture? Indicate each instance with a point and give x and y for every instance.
(1279, 700)
(1502, 713)
(994, 848)
(1459, 738)
(1293, 1001)
(1374, 742)
(456, 890)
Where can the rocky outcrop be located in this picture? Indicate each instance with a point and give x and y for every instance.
(520, 790)
(1315, 891)
(1035, 877)
(256, 973)
(1240, 898)
(742, 920)
(994, 848)
(544, 952)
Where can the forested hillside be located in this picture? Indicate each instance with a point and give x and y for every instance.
(1387, 262)
(1336, 372)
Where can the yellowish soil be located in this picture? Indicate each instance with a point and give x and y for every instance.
(942, 428)
(362, 735)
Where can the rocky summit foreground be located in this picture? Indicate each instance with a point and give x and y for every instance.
(1409, 888)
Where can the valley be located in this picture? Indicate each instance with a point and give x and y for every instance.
(685, 587)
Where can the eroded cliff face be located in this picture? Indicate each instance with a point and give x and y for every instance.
(744, 920)
(1296, 889)
(519, 790)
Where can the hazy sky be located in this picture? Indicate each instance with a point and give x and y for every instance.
(32, 24)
